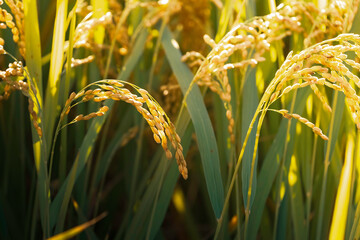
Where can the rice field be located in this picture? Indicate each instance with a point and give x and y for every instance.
(179, 119)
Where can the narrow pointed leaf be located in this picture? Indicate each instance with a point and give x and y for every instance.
(338, 225)
(204, 131)
(56, 64)
(250, 100)
(270, 167)
(77, 230)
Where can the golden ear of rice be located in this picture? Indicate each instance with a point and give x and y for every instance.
(163, 129)
(326, 64)
(305, 121)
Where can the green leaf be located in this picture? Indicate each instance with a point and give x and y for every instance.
(226, 14)
(270, 167)
(329, 146)
(355, 229)
(77, 230)
(340, 215)
(64, 92)
(283, 218)
(139, 224)
(32, 43)
(250, 103)
(103, 165)
(204, 131)
(338, 110)
(296, 197)
(56, 64)
(33, 62)
(169, 184)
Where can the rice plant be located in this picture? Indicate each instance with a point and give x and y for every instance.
(104, 104)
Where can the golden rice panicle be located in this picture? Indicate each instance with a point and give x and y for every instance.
(250, 41)
(78, 62)
(83, 8)
(305, 121)
(17, 27)
(321, 97)
(244, 37)
(307, 11)
(335, 19)
(12, 80)
(163, 130)
(85, 30)
(6, 21)
(194, 59)
(324, 64)
(84, 35)
(163, 10)
(11, 77)
(154, 11)
(34, 116)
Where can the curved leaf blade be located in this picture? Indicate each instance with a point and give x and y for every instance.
(204, 131)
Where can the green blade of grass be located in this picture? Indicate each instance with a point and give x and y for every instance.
(250, 103)
(169, 184)
(139, 224)
(338, 109)
(143, 187)
(78, 229)
(65, 87)
(89, 231)
(89, 140)
(296, 198)
(204, 131)
(167, 187)
(283, 218)
(355, 28)
(329, 146)
(309, 141)
(289, 173)
(111, 149)
(226, 14)
(33, 62)
(56, 64)
(355, 229)
(353, 187)
(355, 226)
(270, 167)
(222, 136)
(32, 43)
(338, 225)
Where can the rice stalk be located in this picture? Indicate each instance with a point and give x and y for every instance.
(17, 26)
(309, 194)
(336, 18)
